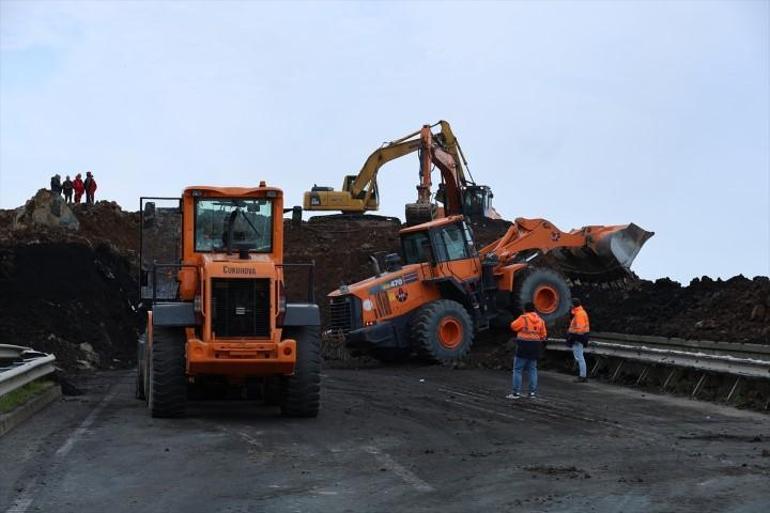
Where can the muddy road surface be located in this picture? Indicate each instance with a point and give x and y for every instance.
(392, 439)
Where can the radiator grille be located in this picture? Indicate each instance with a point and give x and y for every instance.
(341, 315)
(241, 307)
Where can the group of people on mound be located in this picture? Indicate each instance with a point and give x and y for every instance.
(530, 342)
(78, 186)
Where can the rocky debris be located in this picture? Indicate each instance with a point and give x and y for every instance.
(45, 209)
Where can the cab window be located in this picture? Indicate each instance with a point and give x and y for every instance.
(248, 221)
(451, 244)
(416, 248)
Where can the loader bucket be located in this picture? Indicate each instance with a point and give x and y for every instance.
(621, 243)
(608, 256)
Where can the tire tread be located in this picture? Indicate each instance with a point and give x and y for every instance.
(168, 380)
(301, 396)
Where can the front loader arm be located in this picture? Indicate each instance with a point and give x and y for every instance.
(590, 250)
(533, 234)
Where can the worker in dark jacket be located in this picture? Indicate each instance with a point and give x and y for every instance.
(66, 188)
(577, 337)
(56, 185)
(530, 339)
(90, 185)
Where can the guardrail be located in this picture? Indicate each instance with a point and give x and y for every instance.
(748, 360)
(736, 349)
(17, 374)
(724, 358)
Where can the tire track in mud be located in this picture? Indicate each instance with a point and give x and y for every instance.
(485, 401)
(476, 397)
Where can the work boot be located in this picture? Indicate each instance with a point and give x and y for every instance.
(581, 380)
(531, 395)
(513, 395)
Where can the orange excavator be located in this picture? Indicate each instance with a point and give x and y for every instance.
(457, 192)
(441, 290)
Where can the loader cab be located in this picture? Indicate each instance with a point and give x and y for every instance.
(444, 240)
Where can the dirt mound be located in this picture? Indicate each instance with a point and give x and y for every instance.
(106, 221)
(735, 310)
(69, 299)
(340, 250)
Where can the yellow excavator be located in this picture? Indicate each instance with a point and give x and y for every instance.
(457, 193)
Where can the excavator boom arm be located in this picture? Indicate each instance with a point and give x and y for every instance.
(380, 157)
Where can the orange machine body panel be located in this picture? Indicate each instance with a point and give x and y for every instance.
(206, 351)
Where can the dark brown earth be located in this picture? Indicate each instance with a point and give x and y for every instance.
(60, 289)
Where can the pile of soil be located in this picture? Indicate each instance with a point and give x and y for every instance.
(340, 250)
(105, 221)
(735, 310)
(72, 292)
(69, 299)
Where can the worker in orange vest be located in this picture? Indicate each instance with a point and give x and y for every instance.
(530, 340)
(577, 337)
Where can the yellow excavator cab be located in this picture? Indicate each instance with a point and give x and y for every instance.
(327, 198)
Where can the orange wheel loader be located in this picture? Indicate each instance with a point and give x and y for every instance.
(218, 315)
(433, 297)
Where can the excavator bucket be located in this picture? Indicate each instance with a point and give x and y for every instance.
(418, 213)
(608, 256)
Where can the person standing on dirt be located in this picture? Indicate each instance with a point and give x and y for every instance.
(90, 185)
(78, 187)
(530, 339)
(66, 188)
(56, 185)
(577, 337)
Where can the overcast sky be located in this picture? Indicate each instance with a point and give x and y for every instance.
(578, 112)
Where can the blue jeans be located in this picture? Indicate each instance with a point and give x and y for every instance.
(577, 352)
(519, 364)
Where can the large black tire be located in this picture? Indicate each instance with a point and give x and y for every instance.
(442, 331)
(141, 344)
(549, 286)
(301, 394)
(168, 383)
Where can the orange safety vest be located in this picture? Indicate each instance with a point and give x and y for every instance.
(579, 324)
(529, 326)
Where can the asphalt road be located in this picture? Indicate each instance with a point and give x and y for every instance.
(393, 439)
